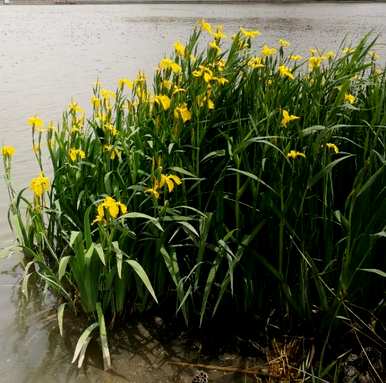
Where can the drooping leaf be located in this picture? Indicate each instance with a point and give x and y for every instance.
(143, 276)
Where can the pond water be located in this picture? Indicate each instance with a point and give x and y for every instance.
(49, 54)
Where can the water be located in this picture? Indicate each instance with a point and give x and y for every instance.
(49, 54)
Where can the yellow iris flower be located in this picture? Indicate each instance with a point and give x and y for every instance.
(75, 154)
(213, 45)
(112, 207)
(329, 55)
(114, 153)
(35, 122)
(205, 26)
(162, 100)
(8, 151)
(179, 48)
(219, 34)
(167, 63)
(205, 101)
(95, 102)
(255, 62)
(285, 72)
(249, 33)
(107, 94)
(348, 97)
(295, 57)
(295, 154)
(284, 43)
(168, 180)
(288, 118)
(268, 51)
(314, 62)
(122, 82)
(39, 185)
(332, 147)
(182, 112)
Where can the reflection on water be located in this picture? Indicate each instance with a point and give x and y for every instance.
(49, 54)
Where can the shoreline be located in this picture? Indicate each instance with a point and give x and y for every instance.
(218, 2)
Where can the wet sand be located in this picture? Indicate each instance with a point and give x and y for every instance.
(49, 55)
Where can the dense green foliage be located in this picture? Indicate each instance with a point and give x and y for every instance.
(237, 182)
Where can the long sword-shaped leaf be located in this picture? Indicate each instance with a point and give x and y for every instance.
(60, 317)
(62, 266)
(143, 276)
(103, 337)
(83, 339)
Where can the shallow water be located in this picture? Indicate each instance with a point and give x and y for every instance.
(49, 54)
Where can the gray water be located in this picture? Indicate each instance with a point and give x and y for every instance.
(50, 54)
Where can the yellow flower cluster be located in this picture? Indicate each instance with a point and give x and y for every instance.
(39, 185)
(109, 208)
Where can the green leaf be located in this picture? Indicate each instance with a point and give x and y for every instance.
(103, 337)
(151, 219)
(101, 254)
(74, 237)
(189, 227)
(83, 340)
(214, 154)
(83, 351)
(254, 177)
(375, 271)
(327, 169)
(27, 275)
(182, 171)
(119, 254)
(24, 285)
(60, 317)
(87, 227)
(62, 266)
(209, 284)
(312, 130)
(371, 180)
(143, 276)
